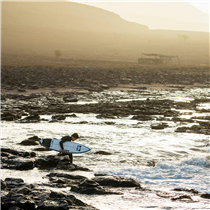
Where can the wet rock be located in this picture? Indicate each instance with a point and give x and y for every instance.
(160, 126)
(142, 117)
(17, 163)
(53, 205)
(18, 153)
(109, 116)
(58, 117)
(202, 128)
(187, 190)
(181, 129)
(42, 149)
(125, 80)
(177, 119)
(31, 119)
(182, 197)
(10, 151)
(71, 115)
(47, 162)
(114, 181)
(151, 163)
(105, 87)
(9, 116)
(18, 195)
(102, 153)
(69, 99)
(65, 180)
(34, 138)
(66, 176)
(3, 184)
(21, 90)
(205, 195)
(14, 183)
(29, 142)
(4, 154)
(57, 162)
(110, 123)
(90, 187)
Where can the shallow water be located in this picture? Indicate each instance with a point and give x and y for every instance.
(182, 160)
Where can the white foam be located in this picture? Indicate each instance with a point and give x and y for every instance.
(185, 174)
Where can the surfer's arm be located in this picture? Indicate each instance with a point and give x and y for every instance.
(64, 139)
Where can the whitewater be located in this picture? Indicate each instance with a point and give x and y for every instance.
(160, 160)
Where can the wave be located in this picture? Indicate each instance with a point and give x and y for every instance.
(192, 173)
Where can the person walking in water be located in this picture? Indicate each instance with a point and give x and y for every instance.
(73, 137)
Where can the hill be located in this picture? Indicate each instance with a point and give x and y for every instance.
(32, 31)
(160, 15)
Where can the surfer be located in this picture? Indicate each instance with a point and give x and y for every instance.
(73, 137)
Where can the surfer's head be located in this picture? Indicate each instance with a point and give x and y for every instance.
(74, 136)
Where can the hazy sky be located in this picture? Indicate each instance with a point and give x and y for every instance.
(203, 5)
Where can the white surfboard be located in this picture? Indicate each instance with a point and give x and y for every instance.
(69, 146)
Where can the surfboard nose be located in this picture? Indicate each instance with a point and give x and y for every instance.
(41, 141)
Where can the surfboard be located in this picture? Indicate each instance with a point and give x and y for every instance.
(69, 146)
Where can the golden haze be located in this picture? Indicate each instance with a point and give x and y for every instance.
(32, 31)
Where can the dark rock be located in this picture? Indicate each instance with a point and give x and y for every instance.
(66, 176)
(10, 151)
(110, 123)
(18, 163)
(18, 153)
(69, 99)
(4, 154)
(42, 149)
(65, 180)
(31, 119)
(90, 187)
(29, 143)
(151, 163)
(114, 181)
(47, 162)
(71, 115)
(181, 129)
(58, 117)
(14, 183)
(53, 205)
(205, 195)
(142, 117)
(160, 126)
(109, 116)
(57, 162)
(28, 197)
(105, 87)
(102, 153)
(181, 197)
(187, 190)
(22, 90)
(9, 116)
(177, 119)
(34, 138)
(3, 184)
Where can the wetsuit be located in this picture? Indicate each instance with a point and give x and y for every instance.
(64, 139)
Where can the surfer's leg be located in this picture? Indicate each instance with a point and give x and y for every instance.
(71, 158)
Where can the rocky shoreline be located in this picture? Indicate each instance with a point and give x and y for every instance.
(16, 194)
(22, 105)
(28, 108)
(98, 79)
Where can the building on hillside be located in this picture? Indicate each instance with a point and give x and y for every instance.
(152, 58)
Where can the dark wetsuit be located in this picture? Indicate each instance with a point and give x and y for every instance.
(64, 139)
